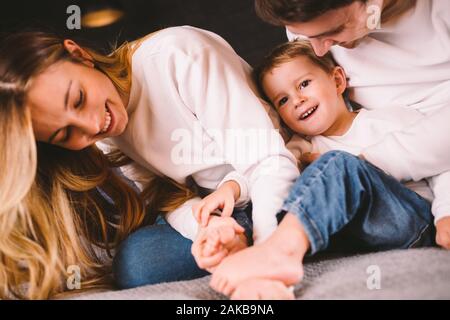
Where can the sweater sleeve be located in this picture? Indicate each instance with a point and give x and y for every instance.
(182, 219)
(440, 185)
(216, 86)
(241, 180)
(417, 152)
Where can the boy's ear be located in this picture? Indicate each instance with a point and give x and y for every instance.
(79, 53)
(340, 78)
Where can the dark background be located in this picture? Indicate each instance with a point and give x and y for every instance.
(234, 20)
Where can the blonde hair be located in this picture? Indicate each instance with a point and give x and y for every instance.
(52, 215)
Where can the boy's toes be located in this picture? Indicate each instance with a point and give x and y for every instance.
(221, 285)
(243, 293)
(262, 289)
(228, 289)
(279, 292)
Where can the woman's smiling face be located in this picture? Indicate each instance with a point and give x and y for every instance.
(306, 97)
(74, 105)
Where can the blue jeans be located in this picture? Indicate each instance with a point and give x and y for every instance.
(347, 203)
(158, 253)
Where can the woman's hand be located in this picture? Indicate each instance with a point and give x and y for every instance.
(443, 233)
(223, 198)
(221, 237)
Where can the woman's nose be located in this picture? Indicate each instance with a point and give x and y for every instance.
(321, 47)
(89, 123)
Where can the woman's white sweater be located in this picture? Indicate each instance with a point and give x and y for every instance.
(193, 112)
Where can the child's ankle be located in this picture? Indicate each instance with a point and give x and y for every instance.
(291, 235)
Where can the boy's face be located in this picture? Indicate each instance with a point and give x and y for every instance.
(306, 97)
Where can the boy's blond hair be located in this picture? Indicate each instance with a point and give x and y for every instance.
(286, 52)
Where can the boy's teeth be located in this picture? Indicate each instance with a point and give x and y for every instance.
(307, 113)
(107, 122)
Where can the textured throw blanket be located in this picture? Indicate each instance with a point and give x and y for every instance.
(398, 274)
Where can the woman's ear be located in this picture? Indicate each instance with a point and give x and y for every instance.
(79, 53)
(340, 79)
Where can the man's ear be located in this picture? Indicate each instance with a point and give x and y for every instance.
(79, 53)
(340, 78)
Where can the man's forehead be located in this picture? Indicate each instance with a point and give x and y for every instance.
(327, 22)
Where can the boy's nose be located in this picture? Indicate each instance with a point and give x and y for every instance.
(299, 100)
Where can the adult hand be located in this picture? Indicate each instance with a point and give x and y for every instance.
(223, 199)
(443, 233)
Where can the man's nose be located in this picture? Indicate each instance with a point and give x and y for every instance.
(321, 47)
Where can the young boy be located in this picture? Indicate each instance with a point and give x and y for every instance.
(377, 212)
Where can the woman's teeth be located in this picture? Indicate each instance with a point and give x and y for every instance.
(308, 113)
(107, 120)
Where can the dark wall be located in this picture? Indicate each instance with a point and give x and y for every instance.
(235, 20)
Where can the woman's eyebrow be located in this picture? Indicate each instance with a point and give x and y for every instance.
(66, 103)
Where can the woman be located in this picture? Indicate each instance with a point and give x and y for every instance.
(180, 85)
(51, 216)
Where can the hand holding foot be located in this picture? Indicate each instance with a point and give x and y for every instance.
(278, 258)
(221, 237)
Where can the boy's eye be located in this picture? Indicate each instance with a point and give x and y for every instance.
(304, 84)
(282, 101)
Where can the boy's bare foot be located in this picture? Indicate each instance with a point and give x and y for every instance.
(278, 258)
(262, 289)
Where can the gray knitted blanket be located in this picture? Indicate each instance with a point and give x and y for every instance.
(398, 274)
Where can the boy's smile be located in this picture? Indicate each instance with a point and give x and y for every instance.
(308, 113)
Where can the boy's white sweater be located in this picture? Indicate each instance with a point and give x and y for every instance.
(368, 128)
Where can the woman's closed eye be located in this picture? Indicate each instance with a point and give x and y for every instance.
(68, 129)
(80, 100)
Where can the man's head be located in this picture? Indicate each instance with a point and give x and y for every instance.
(325, 23)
